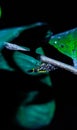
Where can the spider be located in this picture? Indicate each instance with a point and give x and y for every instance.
(44, 67)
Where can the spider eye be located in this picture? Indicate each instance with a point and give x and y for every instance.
(62, 46)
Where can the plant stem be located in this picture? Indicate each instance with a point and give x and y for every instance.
(58, 64)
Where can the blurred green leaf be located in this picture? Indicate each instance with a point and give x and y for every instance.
(8, 34)
(36, 116)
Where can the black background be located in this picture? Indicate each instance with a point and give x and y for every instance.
(60, 17)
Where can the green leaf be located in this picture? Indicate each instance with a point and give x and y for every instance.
(27, 63)
(9, 34)
(36, 116)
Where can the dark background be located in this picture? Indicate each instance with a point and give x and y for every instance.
(60, 18)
